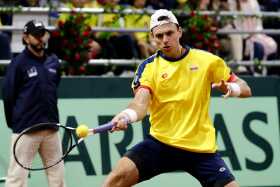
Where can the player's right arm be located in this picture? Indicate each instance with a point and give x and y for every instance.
(136, 110)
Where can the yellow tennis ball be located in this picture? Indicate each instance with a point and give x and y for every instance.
(82, 131)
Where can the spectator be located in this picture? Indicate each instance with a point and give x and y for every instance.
(6, 18)
(213, 5)
(5, 48)
(272, 23)
(146, 48)
(220, 5)
(114, 42)
(256, 46)
(269, 5)
(111, 42)
(91, 21)
(159, 4)
(32, 3)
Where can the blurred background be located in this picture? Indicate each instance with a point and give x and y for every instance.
(89, 36)
(100, 44)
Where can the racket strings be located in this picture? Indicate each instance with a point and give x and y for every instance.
(26, 149)
(39, 150)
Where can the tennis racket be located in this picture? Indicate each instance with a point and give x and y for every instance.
(45, 130)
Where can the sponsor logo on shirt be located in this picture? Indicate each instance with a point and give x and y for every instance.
(52, 70)
(164, 75)
(193, 67)
(32, 72)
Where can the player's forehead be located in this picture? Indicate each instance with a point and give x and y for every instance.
(162, 29)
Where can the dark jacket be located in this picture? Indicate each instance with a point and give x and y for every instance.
(30, 90)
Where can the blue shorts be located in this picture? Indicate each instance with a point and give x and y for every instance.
(152, 158)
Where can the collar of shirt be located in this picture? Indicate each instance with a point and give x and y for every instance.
(30, 54)
(171, 59)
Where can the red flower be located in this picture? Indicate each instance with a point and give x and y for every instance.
(206, 42)
(205, 17)
(73, 38)
(213, 37)
(86, 33)
(199, 37)
(217, 44)
(102, 2)
(198, 45)
(79, 40)
(77, 56)
(55, 34)
(60, 24)
(202, 30)
(193, 29)
(192, 14)
(82, 69)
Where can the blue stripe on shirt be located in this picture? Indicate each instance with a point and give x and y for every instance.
(136, 82)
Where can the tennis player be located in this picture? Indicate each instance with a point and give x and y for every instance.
(30, 97)
(174, 86)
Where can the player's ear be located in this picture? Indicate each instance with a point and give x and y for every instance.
(25, 39)
(180, 31)
(151, 34)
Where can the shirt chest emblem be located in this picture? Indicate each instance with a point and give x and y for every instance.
(32, 72)
(164, 75)
(193, 67)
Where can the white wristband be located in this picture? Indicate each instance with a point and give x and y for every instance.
(132, 115)
(235, 89)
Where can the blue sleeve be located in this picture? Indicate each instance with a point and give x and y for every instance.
(59, 72)
(10, 91)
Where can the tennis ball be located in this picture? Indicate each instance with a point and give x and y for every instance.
(82, 131)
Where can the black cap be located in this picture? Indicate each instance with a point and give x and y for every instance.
(35, 28)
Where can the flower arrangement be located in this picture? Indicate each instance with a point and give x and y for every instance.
(71, 42)
(201, 32)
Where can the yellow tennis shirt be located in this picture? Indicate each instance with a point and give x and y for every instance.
(181, 96)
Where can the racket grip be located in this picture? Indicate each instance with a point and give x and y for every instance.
(105, 127)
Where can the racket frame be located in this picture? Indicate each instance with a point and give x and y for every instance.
(70, 130)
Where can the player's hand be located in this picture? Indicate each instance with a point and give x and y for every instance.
(224, 87)
(120, 122)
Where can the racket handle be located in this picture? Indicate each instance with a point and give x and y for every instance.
(102, 128)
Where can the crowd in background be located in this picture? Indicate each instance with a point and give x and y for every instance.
(127, 45)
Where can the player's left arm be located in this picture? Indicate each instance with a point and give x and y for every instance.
(233, 87)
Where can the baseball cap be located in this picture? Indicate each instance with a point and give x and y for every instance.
(162, 16)
(35, 28)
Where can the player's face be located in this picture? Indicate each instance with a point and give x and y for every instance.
(167, 38)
